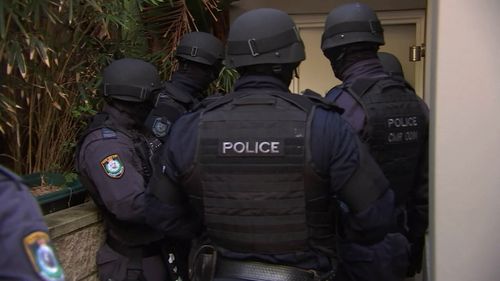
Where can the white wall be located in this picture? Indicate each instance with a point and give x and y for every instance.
(297, 7)
(464, 39)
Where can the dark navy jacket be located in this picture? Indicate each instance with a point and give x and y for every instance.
(335, 154)
(354, 115)
(27, 253)
(417, 209)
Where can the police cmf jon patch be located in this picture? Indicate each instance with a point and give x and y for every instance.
(113, 166)
(42, 256)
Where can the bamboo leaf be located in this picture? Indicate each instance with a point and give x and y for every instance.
(3, 31)
(57, 105)
(21, 65)
(42, 52)
(9, 68)
(95, 6)
(70, 11)
(20, 25)
(32, 50)
(65, 97)
(47, 89)
(11, 58)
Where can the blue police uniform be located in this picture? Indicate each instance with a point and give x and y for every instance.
(413, 220)
(27, 253)
(336, 154)
(113, 164)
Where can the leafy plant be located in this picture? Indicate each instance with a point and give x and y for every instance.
(52, 52)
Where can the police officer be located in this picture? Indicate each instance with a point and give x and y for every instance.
(388, 117)
(261, 167)
(27, 253)
(417, 206)
(391, 65)
(199, 56)
(113, 164)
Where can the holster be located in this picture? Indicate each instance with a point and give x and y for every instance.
(203, 264)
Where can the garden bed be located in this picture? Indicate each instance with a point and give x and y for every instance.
(54, 192)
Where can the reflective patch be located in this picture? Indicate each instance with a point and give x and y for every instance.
(43, 259)
(113, 166)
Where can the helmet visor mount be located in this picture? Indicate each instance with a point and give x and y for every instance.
(127, 92)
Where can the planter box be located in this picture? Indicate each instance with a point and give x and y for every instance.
(68, 194)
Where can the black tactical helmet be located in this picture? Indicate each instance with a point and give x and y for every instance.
(130, 80)
(351, 23)
(391, 64)
(200, 47)
(264, 36)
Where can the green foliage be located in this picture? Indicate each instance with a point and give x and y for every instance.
(51, 55)
(69, 178)
(226, 80)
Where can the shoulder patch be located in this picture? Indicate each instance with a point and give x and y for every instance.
(42, 256)
(113, 166)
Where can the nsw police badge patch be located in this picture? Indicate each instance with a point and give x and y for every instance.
(161, 127)
(113, 166)
(42, 256)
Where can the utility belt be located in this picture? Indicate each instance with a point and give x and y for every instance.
(251, 270)
(144, 251)
(208, 265)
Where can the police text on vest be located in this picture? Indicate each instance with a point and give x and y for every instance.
(250, 148)
(403, 129)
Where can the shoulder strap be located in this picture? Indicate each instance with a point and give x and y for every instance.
(361, 86)
(206, 102)
(305, 102)
(334, 93)
(321, 101)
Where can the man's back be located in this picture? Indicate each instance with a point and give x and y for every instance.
(265, 168)
(391, 119)
(268, 172)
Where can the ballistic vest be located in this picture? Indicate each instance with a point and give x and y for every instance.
(395, 129)
(126, 232)
(253, 179)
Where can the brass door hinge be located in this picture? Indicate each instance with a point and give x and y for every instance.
(416, 53)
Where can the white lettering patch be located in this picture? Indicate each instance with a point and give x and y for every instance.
(402, 129)
(402, 122)
(251, 148)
